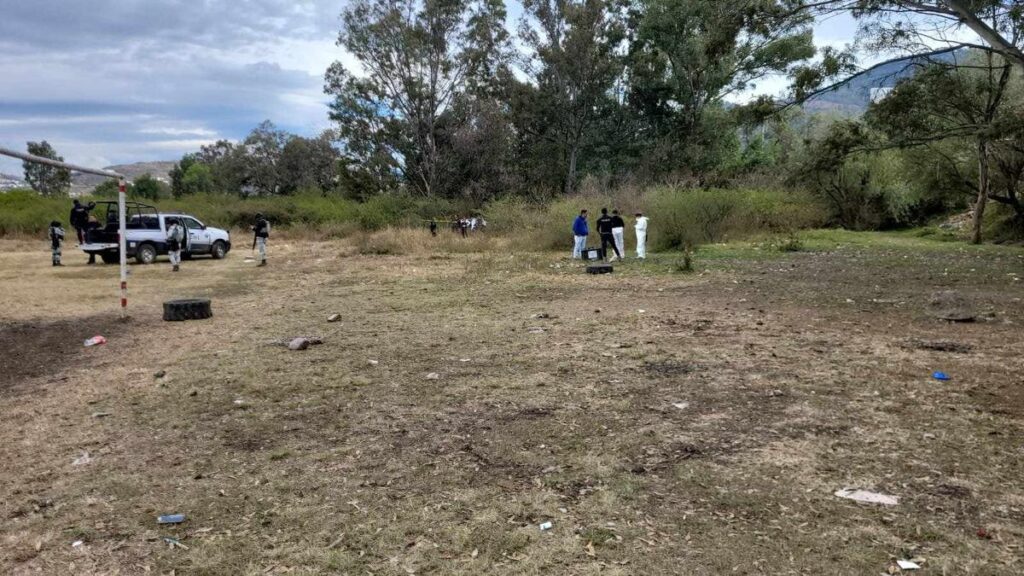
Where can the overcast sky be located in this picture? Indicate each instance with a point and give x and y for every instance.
(119, 81)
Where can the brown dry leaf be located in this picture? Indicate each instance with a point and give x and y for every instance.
(590, 549)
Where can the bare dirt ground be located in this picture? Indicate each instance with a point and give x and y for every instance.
(663, 423)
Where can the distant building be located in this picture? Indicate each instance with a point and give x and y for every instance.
(8, 182)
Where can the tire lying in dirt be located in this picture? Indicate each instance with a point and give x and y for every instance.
(191, 309)
(600, 269)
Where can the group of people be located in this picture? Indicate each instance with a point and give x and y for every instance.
(177, 236)
(81, 220)
(463, 225)
(611, 229)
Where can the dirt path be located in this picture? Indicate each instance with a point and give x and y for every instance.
(663, 423)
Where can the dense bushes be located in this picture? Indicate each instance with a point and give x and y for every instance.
(677, 215)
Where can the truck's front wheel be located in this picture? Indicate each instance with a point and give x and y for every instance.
(146, 254)
(219, 250)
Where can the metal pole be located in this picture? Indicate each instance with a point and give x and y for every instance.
(57, 163)
(122, 248)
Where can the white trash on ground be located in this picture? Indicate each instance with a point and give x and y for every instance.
(907, 565)
(866, 497)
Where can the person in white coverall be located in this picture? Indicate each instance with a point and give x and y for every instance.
(641, 236)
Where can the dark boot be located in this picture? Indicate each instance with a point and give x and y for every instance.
(175, 269)
(262, 263)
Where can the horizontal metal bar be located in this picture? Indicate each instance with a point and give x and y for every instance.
(58, 164)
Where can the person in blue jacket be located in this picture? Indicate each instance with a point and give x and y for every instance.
(580, 231)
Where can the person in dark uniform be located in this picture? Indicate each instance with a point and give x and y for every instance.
(79, 218)
(433, 228)
(261, 231)
(604, 229)
(56, 239)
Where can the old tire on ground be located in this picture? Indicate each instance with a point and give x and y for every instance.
(146, 254)
(600, 269)
(110, 257)
(191, 309)
(219, 250)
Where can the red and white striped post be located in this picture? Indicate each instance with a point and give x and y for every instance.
(122, 248)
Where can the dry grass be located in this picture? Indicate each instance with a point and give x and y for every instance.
(795, 370)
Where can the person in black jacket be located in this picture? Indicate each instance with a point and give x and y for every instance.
(261, 231)
(79, 218)
(604, 229)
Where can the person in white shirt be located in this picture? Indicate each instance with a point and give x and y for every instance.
(175, 239)
(641, 236)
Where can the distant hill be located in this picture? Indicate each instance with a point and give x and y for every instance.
(85, 183)
(854, 97)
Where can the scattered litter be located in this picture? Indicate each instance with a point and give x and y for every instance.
(907, 565)
(95, 341)
(541, 316)
(239, 402)
(373, 362)
(170, 519)
(465, 360)
(298, 344)
(681, 405)
(83, 459)
(775, 393)
(865, 497)
(474, 553)
(984, 534)
(941, 376)
(546, 526)
(286, 342)
(159, 374)
(536, 330)
(850, 301)
(641, 311)
(100, 414)
(433, 376)
(334, 318)
(174, 542)
(77, 543)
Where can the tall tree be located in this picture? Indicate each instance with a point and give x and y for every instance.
(307, 163)
(47, 180)
(956, 100)
(419, 57)
(572, 63)
(688, 56)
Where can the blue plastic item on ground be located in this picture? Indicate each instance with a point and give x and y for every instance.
(941, 376)
(171, 519)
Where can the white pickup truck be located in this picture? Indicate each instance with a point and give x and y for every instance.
(146, 234)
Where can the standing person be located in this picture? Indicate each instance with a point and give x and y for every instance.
(604, 229)
(619, 234)
(641, 236)
(175, 238)
(260, 232)
(79, 219)
(56, 239)
(463, 226)
(92, 223)
(433, 228)
(580, 231)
